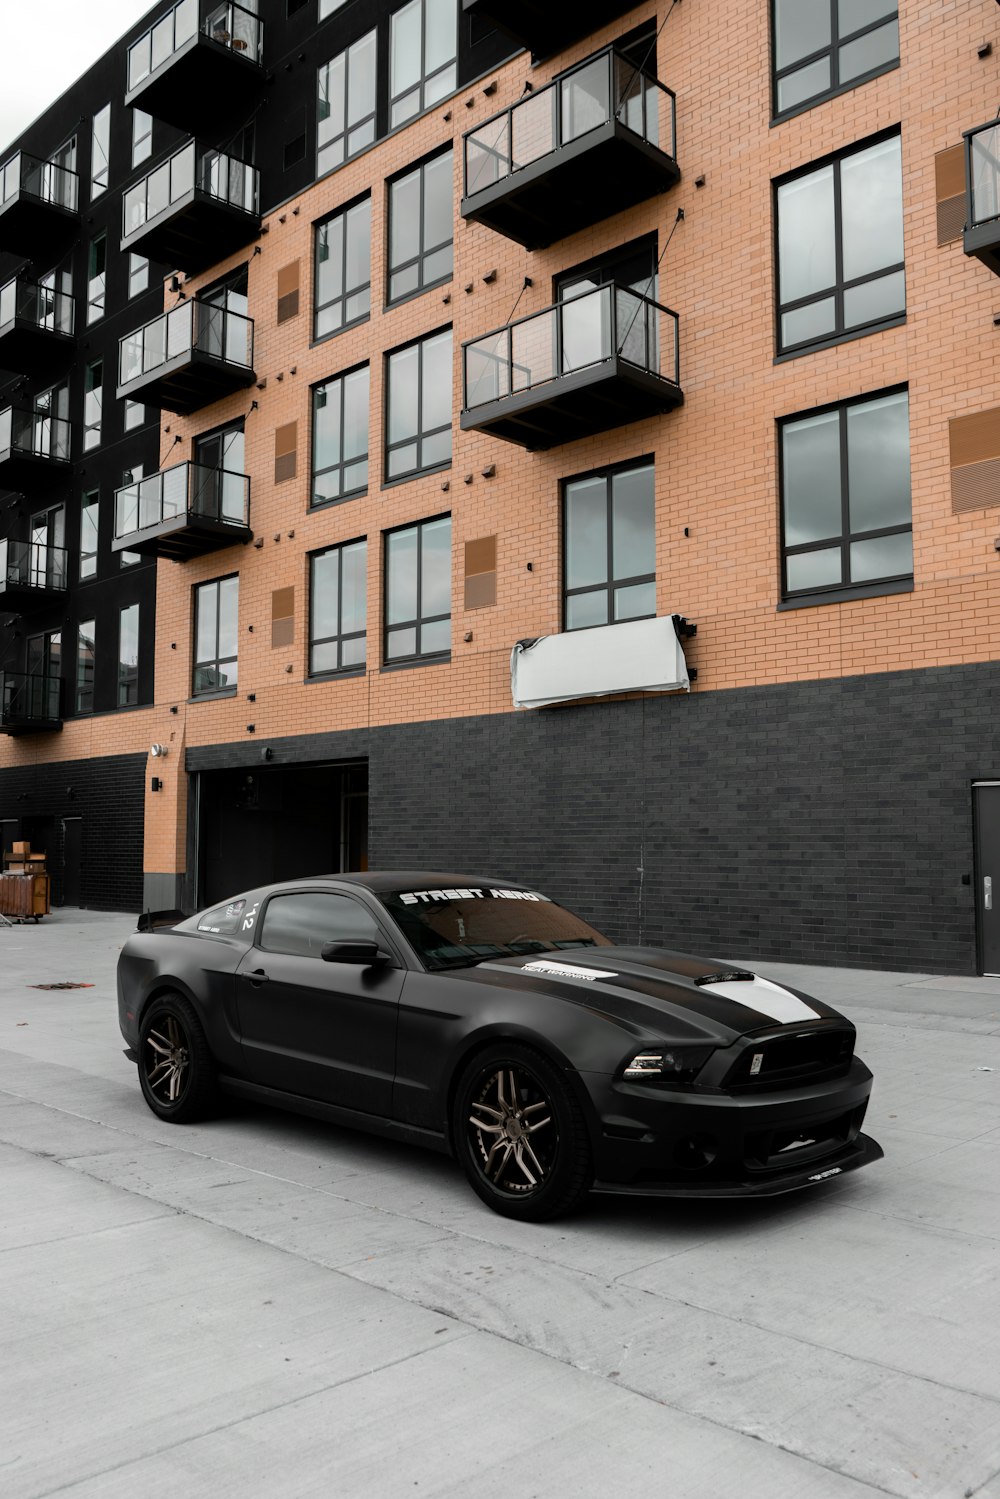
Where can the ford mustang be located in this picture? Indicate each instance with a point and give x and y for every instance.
(481, 1018)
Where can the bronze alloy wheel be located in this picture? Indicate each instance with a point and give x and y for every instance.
(176, 1067)
(513, 1132)
(166, 1059)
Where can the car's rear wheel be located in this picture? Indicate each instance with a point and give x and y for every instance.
(520, 1134)
(176, 1071)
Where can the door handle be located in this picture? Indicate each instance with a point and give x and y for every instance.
(257, 978)
(987, 892)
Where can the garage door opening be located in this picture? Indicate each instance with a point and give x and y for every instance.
(278, 823)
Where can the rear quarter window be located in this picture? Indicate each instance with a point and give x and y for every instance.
(223, 920)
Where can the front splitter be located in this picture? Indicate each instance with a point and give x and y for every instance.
(862, 1152)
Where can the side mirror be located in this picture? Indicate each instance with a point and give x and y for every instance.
(365, 954)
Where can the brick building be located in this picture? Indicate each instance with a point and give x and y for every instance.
(578, 459)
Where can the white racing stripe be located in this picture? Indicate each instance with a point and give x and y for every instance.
(566, 970)
(767, 998)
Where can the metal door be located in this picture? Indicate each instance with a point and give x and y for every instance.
(986, 804)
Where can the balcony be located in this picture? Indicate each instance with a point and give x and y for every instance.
(982, 192)
(197, 207)
(36, 327)
(200, 75)
(547, 29)
(28, 705)
(32, 574)
(183, 512)
(595, 141)
(34, 448)
(596, 361)
(186, 358)
(39, 206)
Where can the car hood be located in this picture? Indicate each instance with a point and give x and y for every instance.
(646, 988)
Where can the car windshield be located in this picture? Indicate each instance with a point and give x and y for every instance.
(458, 928)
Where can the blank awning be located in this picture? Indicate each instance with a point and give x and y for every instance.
(642, 655)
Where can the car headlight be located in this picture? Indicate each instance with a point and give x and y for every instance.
(676, 1064)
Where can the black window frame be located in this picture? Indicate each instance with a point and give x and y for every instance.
(84, 671)
(424, 77)
(343, 463)
(349, 126)
(87, 562)
(832, 50)
(97, 278)
(217, 661)
(127, 693)
(847, 588)
(421, 435)
(609, 473)
(420, 620)
(425, 251)
(841, 333)
(351, 668)
(346, 291)
(93, 383)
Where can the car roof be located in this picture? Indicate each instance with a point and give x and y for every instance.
(378, 880)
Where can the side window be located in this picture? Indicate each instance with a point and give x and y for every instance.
(305, 922)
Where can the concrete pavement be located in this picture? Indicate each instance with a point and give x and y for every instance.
(264, 1305)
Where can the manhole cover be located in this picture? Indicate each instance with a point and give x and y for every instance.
(63, 984)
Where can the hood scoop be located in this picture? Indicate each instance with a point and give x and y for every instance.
(727, 976)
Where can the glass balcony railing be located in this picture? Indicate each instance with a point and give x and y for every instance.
(33, 434)
(605, 88)
(27, 700)
(192, 328)
(230, 26)
(610, 324)
(44, 180)
(187, 494)
(32, 565)
(192, 169)
(41, 307)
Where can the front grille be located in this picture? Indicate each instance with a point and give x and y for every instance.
(808, 1056)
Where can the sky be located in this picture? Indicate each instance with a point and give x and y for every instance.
(46, 44)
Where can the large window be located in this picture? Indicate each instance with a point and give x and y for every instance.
(93, 402)
(215, 622)
(419, 406)
(97, 268)
(138, 274)
(840, 248)
(337, 608)
(85, 666)
(418, 590)
(345, 114)
(89, 517)
(340, 437)
(845, 496)
(609, 547)
(100, 143)
(420, 228)
(128, 656)
(423, 40)
(142, 136)
(342, 291)
(824, 46)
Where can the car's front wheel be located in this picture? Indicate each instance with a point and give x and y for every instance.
(520, 1134)
(176, 1071)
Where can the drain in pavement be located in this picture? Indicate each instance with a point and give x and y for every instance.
(63, 984)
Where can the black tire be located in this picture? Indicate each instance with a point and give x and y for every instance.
(176, 1070)
(520, 1135)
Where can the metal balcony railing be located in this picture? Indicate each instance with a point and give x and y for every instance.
(25, 699)
(609, 324)
(192, 328)
(187, 492)
(227, 25)
(192, 169)
(43, 180)
(32, 565)
(606, 87)
(34, 434)
(41, 307)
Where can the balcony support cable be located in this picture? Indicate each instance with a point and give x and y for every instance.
(653, 273)
(649, 52)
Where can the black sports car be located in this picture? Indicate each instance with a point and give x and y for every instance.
(480, 1018)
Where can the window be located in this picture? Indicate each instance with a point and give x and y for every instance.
(845, 495)
(822, 47)
(327, 7)
(345, 121)
(131, 476)
(128, 656)
(305, 922)
(89, 520)
(85, 666)
(419, 406)
(142, 136)
(97, 266)
(138, 274)
(135, 414)
(418, 590)
(215, 611)
(340, 437)
(609, 546)
(93, 400)
(420, 228)
(220, 484)
(840, 248)
(343, 278)
(337, 608)
(99, 147)
(423, 37)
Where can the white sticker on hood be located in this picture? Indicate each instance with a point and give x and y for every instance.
(766, 998)
(566, 970)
